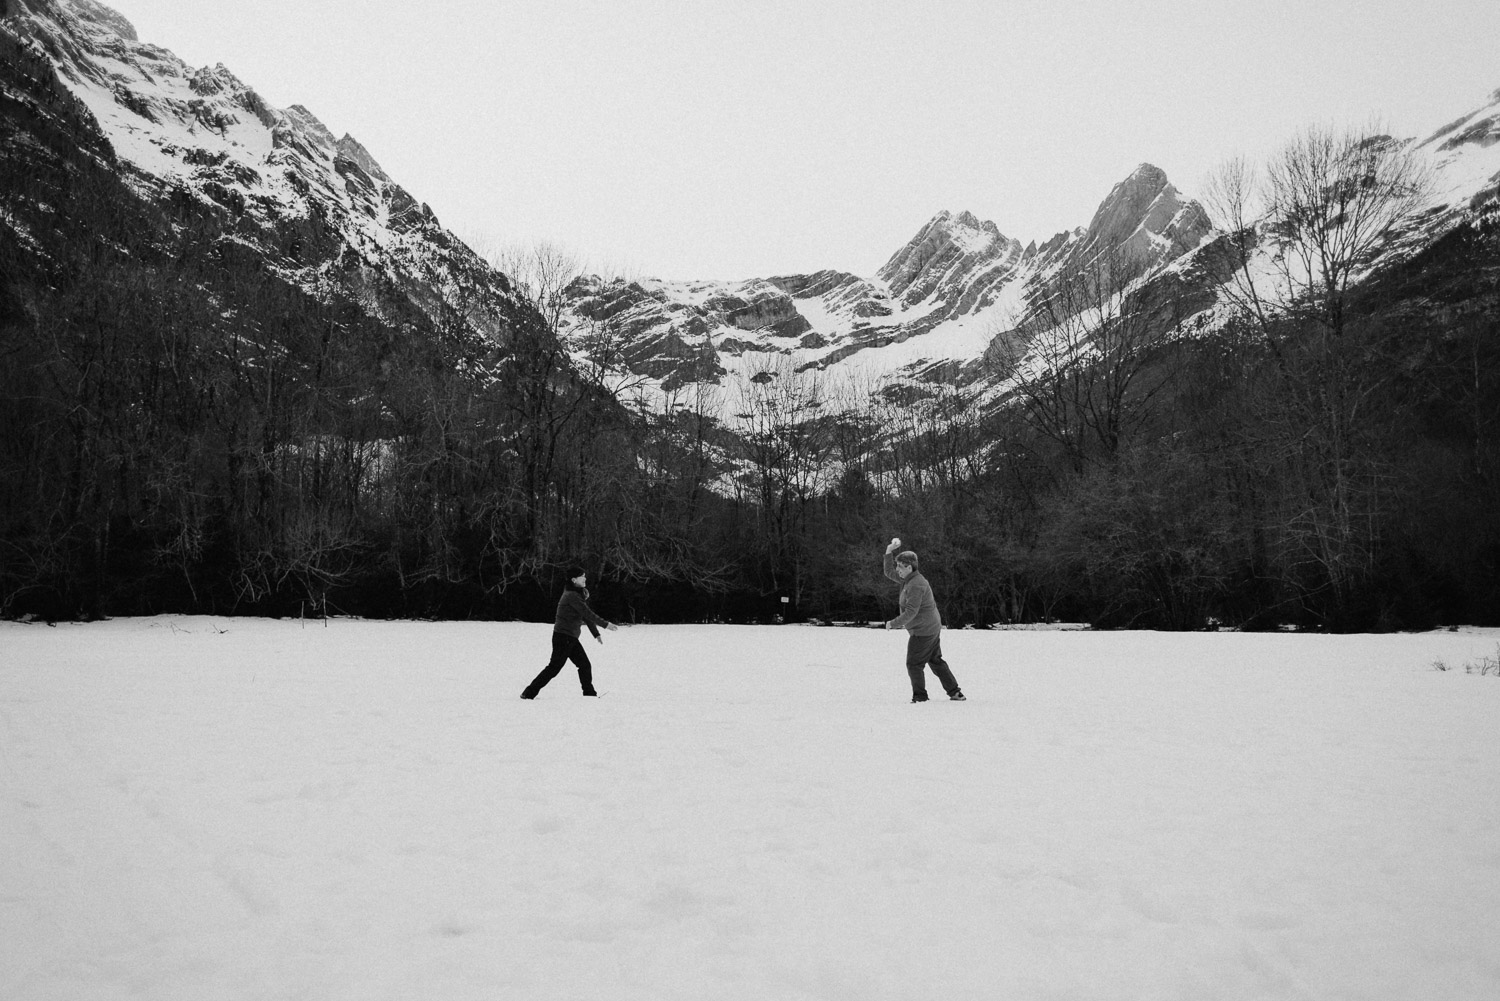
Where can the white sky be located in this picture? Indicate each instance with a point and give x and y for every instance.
(683, 139)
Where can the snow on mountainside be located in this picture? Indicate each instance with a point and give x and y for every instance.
(1466, 158)
(177, 130)
(931, 314)
(959, 304)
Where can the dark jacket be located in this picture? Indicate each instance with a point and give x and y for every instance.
(573, 613)
(919, 612)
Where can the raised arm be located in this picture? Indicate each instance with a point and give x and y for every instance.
(890, 561)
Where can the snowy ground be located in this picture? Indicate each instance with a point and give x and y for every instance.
(236, 809)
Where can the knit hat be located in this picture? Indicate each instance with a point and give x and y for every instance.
(577, 572)
(908, 557)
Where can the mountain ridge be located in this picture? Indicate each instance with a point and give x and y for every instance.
(956, 305)
(203, 133)
(933, 310)
(952, 307)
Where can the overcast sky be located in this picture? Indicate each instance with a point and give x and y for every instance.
(749, 138)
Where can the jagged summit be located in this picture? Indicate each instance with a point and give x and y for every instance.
(931, 314)
(1146, 218)
(959, 303)
(309, 124)
(967, 218)
(946, 245)
(350, 148)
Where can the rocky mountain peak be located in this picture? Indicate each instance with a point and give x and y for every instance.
(1145, 217)
(215, 79)
(1128, 203)
(946, 244)
(350, 149)
(309, 123)
(969, 220)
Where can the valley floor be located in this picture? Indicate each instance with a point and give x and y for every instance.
(196, 808)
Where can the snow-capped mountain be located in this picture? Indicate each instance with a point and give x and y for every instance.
(960, 303)
(1465, 156)
(317, 209)
(930, 313)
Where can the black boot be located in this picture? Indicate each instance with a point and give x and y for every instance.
(919, 696)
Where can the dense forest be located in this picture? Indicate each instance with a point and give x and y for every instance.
(184, 430)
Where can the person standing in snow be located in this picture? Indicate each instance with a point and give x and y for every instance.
(922, 621)
(573, 613)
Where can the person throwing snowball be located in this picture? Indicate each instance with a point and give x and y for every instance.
(921, 619)
(573, 613)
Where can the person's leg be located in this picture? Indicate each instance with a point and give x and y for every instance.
(560, 650)
(585, 669)
(916, 661)
(940, 667)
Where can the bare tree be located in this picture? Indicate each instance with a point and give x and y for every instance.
(1301, 235)
(783, 429)
(1321, 213)
(539, 272)
(542, 396)
(1084, 383)
(666, 526)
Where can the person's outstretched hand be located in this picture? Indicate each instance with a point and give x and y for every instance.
(895, 545)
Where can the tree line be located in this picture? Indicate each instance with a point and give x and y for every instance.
(185, 430)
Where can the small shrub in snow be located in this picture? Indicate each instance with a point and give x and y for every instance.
(1483, 666)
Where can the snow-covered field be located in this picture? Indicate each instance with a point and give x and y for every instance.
(196, 809)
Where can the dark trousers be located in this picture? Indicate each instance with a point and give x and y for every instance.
(922, 651)
(564, 648)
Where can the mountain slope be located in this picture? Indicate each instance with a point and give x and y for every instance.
(233, 352)
(271, 176)
(961, 303)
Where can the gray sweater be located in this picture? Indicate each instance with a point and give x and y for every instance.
(919, 612)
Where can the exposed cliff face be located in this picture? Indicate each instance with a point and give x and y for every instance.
(759, 307)
(647, 332)
(1145, 218)
(945, 253)
(276, 177)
